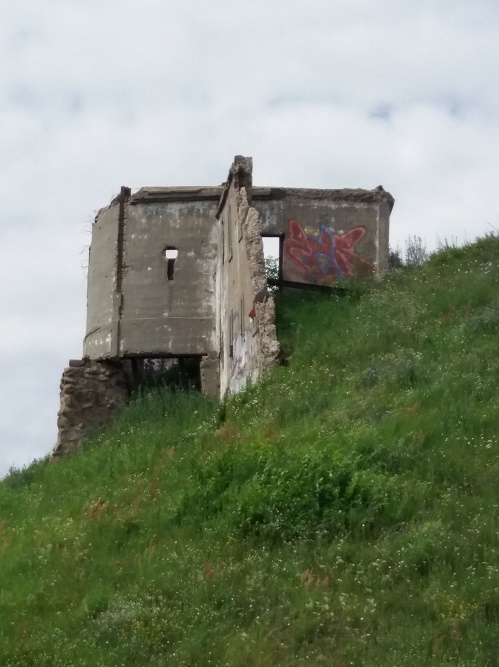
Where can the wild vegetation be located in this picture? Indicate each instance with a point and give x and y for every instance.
(342, 512)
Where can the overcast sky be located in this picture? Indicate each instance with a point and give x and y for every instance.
(95, 94)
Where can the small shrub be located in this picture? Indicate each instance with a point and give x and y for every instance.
(415, 251)
(395, 260)
(283, 496)
(391, 370)
(485, 321)
(22, 477)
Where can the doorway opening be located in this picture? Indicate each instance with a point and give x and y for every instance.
(179, 373)
(273, 254)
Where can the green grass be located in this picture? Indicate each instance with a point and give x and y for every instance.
(342, 512)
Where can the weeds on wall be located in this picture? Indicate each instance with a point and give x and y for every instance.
(344, 511)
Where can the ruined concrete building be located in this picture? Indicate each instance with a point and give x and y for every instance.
(178, 272)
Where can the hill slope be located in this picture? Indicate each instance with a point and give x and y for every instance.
(342, 512)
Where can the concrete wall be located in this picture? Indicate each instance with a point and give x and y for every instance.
(134, 306)
(136, 309)
(169, 316)
(247, 329)
(103, 299)
(328, 234)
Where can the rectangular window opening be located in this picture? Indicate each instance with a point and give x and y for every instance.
(273, 253)
(171, 254)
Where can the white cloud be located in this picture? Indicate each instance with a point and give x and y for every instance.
(97, 95)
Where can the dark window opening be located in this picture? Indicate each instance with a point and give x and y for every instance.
(173, 373)
(231, 335)
(171, 254)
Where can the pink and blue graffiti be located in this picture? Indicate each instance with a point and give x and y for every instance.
(324, 257)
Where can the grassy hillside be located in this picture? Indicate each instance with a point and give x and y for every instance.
(343, 512)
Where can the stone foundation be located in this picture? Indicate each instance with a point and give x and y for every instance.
(91, 393)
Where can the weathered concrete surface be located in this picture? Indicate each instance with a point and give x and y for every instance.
(263, 301)
(247, 330)
(135, 308)
(91, 393)
(169, 316)
(102, 299)
(212, 301)
(328, 234)
(136, 305)
(188, 193)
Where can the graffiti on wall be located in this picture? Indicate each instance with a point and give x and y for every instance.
(244, 367)
(323, 256)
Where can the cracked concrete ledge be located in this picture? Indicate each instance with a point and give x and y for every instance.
(350, 195)
(190, 193)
